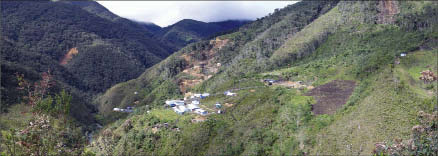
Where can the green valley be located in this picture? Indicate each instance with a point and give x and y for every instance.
(312, 78)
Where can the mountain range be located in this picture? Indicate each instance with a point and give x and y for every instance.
(189, 31)
(87, 48)
(312, 78)
(340, 85)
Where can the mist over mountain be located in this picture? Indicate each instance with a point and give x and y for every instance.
(312, 78)
(108, 49)
(188, 31)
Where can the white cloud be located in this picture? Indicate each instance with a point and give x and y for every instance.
(164, 13)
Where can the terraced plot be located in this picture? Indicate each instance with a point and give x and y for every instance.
(331, 96)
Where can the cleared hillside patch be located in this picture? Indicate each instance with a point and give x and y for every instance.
(331, 96)
(67, 57)
(386, 113)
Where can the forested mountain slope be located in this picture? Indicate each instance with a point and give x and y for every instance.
(270, 31)
(85, 52)
(344, 56)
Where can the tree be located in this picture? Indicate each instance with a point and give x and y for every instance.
(49, 132)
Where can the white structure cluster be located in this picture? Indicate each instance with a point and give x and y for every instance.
(128, 109)
(191, 105)
(229, 93)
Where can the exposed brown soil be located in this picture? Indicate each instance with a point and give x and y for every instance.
(292, 84)
(199, 118)
(331, 96)
(218, 43)
(154, 130)
(387, 11)
(67, 57)
(201, 70)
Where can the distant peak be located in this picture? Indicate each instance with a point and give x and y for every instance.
(189, 20)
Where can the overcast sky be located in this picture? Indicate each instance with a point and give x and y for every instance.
(164, 13)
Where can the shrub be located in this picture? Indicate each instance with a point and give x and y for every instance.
(423, 141)
(46, 134)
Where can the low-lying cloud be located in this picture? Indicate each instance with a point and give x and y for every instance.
(164, 13)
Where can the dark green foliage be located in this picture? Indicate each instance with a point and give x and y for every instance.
(418, 18)
(96, 9)
(382, 48)
(257, 124)
(102, 67)
(269, 120)
(56, 106)
(51, 130)
(10, 93)
(242, 57)
(279, 121)
(44, 135)
(38, 35)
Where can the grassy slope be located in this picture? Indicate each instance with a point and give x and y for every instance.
(378, 107)
(387, 113)
(259, 122)
(158, 83)
(314, 32)
(275, 120)
(18, 117)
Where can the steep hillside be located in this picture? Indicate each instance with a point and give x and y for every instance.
(96, 9)
(347, 54)
(156, 84)
(188, 31)
(86, 53)
(99, 10)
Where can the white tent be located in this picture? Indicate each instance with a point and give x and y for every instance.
(170, 102)
(230, 94)
(183, 108)
(192, 107)
(177, 110)
(179, 102)
(195, 102)
(201, 111)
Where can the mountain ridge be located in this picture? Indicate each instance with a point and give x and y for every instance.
(47, 31)
(331, 43)
(188, 30)
(312, 78)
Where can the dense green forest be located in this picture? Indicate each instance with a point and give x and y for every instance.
(42, 36)
(87, 48)
(313, 78)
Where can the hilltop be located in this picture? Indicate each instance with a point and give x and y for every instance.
(189, 31)
(342, 85)
(85, 46)
(312, 78)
